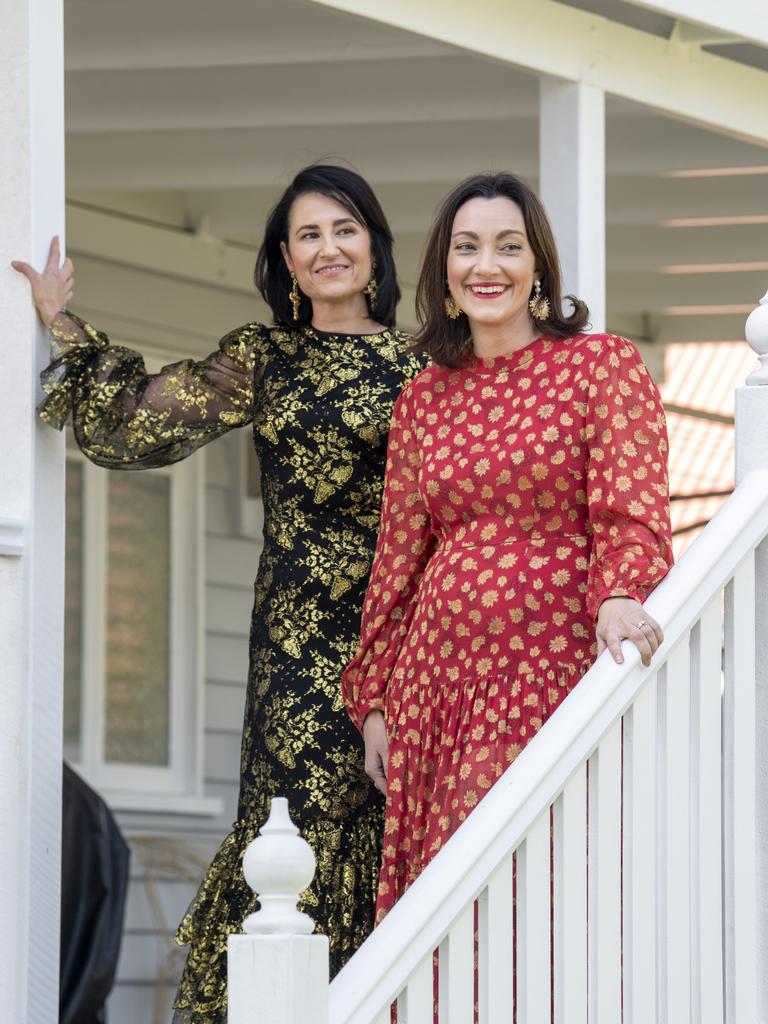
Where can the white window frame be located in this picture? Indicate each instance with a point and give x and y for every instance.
(247, 509)
(177, 788)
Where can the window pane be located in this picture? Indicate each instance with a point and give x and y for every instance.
(138, 633)
(73, 610)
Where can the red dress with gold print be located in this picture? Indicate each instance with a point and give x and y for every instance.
(521, 491)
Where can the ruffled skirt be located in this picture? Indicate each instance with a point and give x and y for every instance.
(448, 743)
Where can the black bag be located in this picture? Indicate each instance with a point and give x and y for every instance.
(94, 883)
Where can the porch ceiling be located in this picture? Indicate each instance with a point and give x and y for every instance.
(196, 114)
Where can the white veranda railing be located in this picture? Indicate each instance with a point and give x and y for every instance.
(611, 874)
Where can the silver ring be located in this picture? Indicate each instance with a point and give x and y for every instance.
(641, 623)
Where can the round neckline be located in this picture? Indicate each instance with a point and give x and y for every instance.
(346, 334)
(488, 364)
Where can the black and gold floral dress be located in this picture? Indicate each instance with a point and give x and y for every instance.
(320, 406)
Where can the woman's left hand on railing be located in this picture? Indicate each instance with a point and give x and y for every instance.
(623, 618)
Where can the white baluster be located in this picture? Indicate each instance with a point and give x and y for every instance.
(278, 970)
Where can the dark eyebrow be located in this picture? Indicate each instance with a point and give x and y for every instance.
(501, 234)
(336, 224)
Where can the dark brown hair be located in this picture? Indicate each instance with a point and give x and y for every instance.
(353, 192)
(448, 342)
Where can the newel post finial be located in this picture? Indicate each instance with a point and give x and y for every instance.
(277, 971)
(756, 332)
(278, 865)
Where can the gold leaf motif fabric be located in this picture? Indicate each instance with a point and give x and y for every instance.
(521, 492)
(320, 405)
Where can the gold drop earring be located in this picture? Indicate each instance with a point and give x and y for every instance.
(538, 304)
(371, 289)
(452, 311)
(295, 296)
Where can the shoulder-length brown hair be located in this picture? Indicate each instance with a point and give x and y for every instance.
(448, 342)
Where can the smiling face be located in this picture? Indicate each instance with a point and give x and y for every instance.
(491, 267)
(328, 250)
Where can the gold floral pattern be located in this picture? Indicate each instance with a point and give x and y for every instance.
(320, 406)
(520, 493)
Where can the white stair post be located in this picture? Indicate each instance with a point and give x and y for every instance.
(752, 454)
(278, 970)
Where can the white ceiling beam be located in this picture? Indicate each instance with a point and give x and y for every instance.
(632, 200)
(738, 19)
(547, 37)
(424, 152)
(358, 93)
(145, 34)
(165, 252)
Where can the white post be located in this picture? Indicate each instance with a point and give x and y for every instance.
(572, 185)
(752, 453)
(31, 520)
(278, 970)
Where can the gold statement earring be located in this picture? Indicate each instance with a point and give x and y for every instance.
(295, 296)
(372, 288)
(539, 304)
(451, 309)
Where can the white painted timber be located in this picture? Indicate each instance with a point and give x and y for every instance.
(590, 719)
(570, 911)
(605, 877)
(282, 979)
(677, 833)
(757, 335)
(167, 252)
(278, 965)
(12, 536)
(553, 39)
(456, 967)
(533, 950)
(572, 185)
(496, 946)
(739, 775)
(761, 761)
(640, 842)
(744, 19)
(752, 453)
(31, 493)
(230, 35)
(706, 796)
(416, 1003)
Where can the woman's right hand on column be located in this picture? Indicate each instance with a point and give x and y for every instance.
(376, 749)
(52, 289)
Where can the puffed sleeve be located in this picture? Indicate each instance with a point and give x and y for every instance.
(403, 549)
(126, 418)
(627, 481)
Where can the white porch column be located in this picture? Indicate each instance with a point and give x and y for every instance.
(752, 454)
(31, 520)
(572, 185)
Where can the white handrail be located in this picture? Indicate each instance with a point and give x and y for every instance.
(423, 916)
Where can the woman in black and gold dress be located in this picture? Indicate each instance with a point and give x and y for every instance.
(318, 389)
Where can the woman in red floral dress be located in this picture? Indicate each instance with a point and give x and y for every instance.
(525, 520)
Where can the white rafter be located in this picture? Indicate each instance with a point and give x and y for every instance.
(672, 76)
(739, 19)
